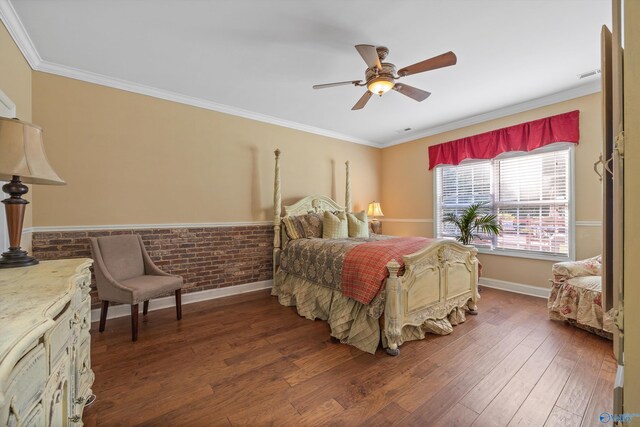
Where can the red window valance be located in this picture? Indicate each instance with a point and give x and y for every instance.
(523, 137)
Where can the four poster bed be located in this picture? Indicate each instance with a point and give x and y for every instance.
(375, 289)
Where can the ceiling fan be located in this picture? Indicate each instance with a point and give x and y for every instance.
(380, 77)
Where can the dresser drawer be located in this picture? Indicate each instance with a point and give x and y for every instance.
(85, 315)
(59, 336)
(27, 381)
(83, 373)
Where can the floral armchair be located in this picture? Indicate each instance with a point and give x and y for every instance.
(576, 296)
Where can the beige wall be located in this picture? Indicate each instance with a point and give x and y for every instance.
(407, 188)
(15, 82)
(631, 209)
(133, 159)
(15, 77)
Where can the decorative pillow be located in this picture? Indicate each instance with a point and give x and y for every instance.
(335, 226)
(568, 269)
(358, 224)
(293, 227)
(312, 225)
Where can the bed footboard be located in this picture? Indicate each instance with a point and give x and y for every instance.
(439, 283)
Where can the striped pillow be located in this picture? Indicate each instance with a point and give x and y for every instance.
(358, 224)
(335, 226)
(293, 227)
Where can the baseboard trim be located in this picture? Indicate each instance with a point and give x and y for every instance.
(209, 294)
(189, 298)
(518, 288)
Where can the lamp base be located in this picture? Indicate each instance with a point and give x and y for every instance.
(16, 258)
(14, 208)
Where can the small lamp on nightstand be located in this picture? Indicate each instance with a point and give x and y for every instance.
(373, 212)
(22, 160)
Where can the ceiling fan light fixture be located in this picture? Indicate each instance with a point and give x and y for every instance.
(380, 85)
(380, 77)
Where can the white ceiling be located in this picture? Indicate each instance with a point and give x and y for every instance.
(263, 56)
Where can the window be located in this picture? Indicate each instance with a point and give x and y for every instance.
(531, 193)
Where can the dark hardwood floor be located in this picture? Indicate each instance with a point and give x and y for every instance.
(246, 360)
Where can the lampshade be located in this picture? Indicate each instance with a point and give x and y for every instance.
(380, 85)
(22, 154)
(374, 209)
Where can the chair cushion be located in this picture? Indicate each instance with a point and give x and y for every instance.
(147, 287)
(590, 283)
(122, 256)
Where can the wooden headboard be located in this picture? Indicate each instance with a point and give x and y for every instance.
(317, 204)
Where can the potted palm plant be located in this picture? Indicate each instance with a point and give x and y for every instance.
(471, 222)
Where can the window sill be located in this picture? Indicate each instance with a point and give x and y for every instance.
(524, 254)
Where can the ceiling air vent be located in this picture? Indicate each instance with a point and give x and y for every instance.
(589, 74)
(404, 130)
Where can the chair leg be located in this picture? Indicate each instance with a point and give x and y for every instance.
(179, 303)
(145, 308)
(134, 322)
(103, 315)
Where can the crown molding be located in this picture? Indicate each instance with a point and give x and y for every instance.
(115, 83)
(102, 80)
(554, 98)
(19, 34)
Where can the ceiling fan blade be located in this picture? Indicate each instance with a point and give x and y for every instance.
(362, 101)
(412, 92)
(326, 85)
(370, 55)
(444, 60)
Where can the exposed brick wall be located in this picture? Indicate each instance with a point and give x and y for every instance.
(207, 258)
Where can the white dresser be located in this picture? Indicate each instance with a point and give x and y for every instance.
(45, 360)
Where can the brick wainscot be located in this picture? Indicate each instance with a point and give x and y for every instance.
(206, 257)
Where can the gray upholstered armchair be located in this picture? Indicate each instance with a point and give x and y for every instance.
(126, 274)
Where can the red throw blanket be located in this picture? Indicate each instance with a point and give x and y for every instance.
(365, 266)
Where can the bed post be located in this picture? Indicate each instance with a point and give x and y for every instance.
(277, 203)
(472, 305)
(393, 309)
(347, 193)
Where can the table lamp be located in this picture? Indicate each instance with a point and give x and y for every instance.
(22, 160)
(374, 211)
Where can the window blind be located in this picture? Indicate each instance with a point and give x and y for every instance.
(530, 194)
